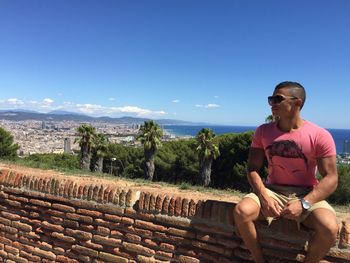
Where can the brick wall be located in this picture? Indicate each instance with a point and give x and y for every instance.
(69, 219)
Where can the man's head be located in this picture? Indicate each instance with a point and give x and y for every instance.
(295, 90)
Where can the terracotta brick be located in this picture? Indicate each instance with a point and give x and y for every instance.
(180, 232)
(178, 206)
(138, 249)
(65, 259)
(159, 203)
(149, 225)
(6, 222)
(11, 250)
(89, 213)
(344, 236)
(80, 218)
(113, 218)
(199, 209)
(86, 227)
(113, 242)
(13, 203)
(10, 216)
(133, 238)
(56, 228)
(104, 231)
(44, 254)
(112, 258)
(22, 226)
(40, 202)
(16, 198)
(186, 259)
(62, 237)
(70, 223)
(127, 221)
(64, 208)
(85, 251)
(122, 198)
(165, 206)
(78, 234)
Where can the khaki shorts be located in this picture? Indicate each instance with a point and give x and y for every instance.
(285, 194)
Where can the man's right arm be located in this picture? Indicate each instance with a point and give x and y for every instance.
(269, 206)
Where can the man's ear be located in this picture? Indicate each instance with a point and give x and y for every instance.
(299, 102)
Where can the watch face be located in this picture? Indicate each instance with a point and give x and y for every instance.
(306, 205)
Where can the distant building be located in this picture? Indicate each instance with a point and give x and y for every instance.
(346, 148)
(67, 145)
(43, 125)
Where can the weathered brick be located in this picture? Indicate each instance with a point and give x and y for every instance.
(13, 203)
(344, 236)
(56, 228)
(5, 221)
(40, 202)
(70, 223)
(5, 241)
(10, 216)
(45, 254)
(64, 208)
(85, 251)
(112, 258)
(149, 225)
(187, 259)
(55, 213)
(78, 234)
(64, 259)
(22, 226)
(104, 231)
(113, 218)
(113, 242)
(138, 248)
(80, 218)
(133, 238)
(180, 232)
(63, 238)
(11, 250)
(17, 258)
(89, 213)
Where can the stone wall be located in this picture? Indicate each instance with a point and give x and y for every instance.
(67, 219)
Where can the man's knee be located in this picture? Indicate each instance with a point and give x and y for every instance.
(246, 210)
(329, 228)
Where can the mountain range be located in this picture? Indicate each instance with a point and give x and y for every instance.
(22, 115)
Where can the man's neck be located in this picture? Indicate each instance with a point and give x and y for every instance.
(292, 124)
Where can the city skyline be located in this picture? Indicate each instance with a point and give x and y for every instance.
(199, 61)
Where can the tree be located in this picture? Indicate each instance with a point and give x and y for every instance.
(8, 149)
(270, 118)
(150, 136)
(207, 152)
(99, 148)
(86, 134)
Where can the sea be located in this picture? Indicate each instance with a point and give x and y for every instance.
(341, 136)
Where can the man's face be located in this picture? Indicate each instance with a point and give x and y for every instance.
(282, 102)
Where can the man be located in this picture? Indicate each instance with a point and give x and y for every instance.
(294, 148)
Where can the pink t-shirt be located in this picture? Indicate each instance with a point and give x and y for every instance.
(292, 156)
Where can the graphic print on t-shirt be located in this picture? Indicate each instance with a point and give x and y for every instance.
(286, 149)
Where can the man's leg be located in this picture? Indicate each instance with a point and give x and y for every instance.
(325, 225)
(245, 213)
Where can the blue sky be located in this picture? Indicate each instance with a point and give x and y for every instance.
(205, 61)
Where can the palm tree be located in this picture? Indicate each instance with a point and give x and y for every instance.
(150, 136)
(207, 152)
(270, 118)
(86, 134)
(99, 148)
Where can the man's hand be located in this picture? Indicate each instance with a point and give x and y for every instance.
(292, 210)
(270, 207)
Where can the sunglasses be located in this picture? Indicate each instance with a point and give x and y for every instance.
(277, 99)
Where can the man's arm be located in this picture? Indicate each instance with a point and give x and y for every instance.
(269, 206)
(327, 167)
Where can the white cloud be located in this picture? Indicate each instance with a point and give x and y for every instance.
(111, 99)
(175, 101)
(14, 101)
(48, 101)
(212, 105)
(207, 106)
(216, 97)
(48, 104)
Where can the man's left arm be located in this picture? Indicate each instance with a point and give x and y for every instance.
(327, 167)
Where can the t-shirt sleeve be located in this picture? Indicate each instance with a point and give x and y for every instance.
(325, 146)
(257, 139)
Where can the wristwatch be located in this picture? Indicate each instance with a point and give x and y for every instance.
(305, 204)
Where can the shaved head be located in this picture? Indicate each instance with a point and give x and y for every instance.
(295, 89)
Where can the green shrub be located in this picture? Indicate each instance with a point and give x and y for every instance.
(341, 196)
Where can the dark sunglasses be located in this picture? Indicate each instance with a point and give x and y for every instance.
(277, 99)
